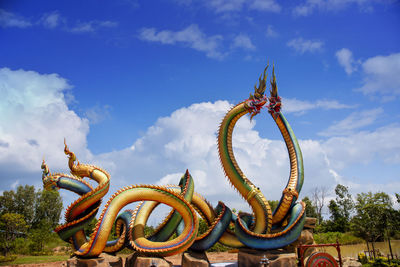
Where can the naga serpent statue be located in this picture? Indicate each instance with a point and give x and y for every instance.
(263, 229)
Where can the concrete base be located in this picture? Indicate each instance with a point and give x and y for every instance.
(137, 260)
(251, 257)
(103, 260)
(195, 259)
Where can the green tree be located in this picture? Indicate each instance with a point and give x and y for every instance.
(90, 227)
(203, 226)
(20, 202)
(340, 210)
(12, 225)
(372, 217)
(48, 207)
(311, 210)
(40, 235)
(7, 202)
(40, 211)
(25, 202)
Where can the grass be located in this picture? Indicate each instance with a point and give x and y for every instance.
(36, 259)
(331, 237)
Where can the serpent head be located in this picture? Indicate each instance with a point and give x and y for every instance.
(49, 180)
(258, 100)
(274, 100)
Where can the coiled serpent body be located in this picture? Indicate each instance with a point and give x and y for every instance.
(263, 229)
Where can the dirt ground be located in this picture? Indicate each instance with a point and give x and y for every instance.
(213, 257)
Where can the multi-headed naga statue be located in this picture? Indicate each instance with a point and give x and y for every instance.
(263, 229)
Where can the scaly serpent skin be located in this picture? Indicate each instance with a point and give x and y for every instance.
(262, 230)
(80, 212)
(258, 234)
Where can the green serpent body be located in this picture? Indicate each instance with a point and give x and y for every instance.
(254, 231)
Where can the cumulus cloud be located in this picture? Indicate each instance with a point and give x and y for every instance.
(185, 139)
(310, 6)
(364, 147)
(346, 60)
(243, 41)
(302, 46)
(34, 119)
(191, 36)
(293, 105)
(381, 76)
(354, 121)
(9, 19)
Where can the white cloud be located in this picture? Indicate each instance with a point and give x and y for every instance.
(191, 36)
(271, 33)
(293, 105)
(34, 119)
(354, 121)
(51, 20)
(8, 19)
(186, 139)
(302, 46)
(382, 76)
(346, 60)
(243, 41)
(309, 6)
(364, 147)
(266, 5)
(92, 26)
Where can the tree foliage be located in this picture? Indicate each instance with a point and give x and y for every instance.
(374, 213)
(340, 210)
(29, 214)
(12, 225)
(311, 210)
(33, 206)
(48, 207)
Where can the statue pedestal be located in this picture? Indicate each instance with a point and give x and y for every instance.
(103, 260)
(137, 260)
(195, 259)
(277, 258)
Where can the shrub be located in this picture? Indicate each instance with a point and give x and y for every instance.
(22, 246)
(362, 258)
(218, 248)
(7, 258)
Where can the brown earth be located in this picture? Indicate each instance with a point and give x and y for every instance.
(213, 257)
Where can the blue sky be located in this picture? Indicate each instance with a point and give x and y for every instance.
(139, 88)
